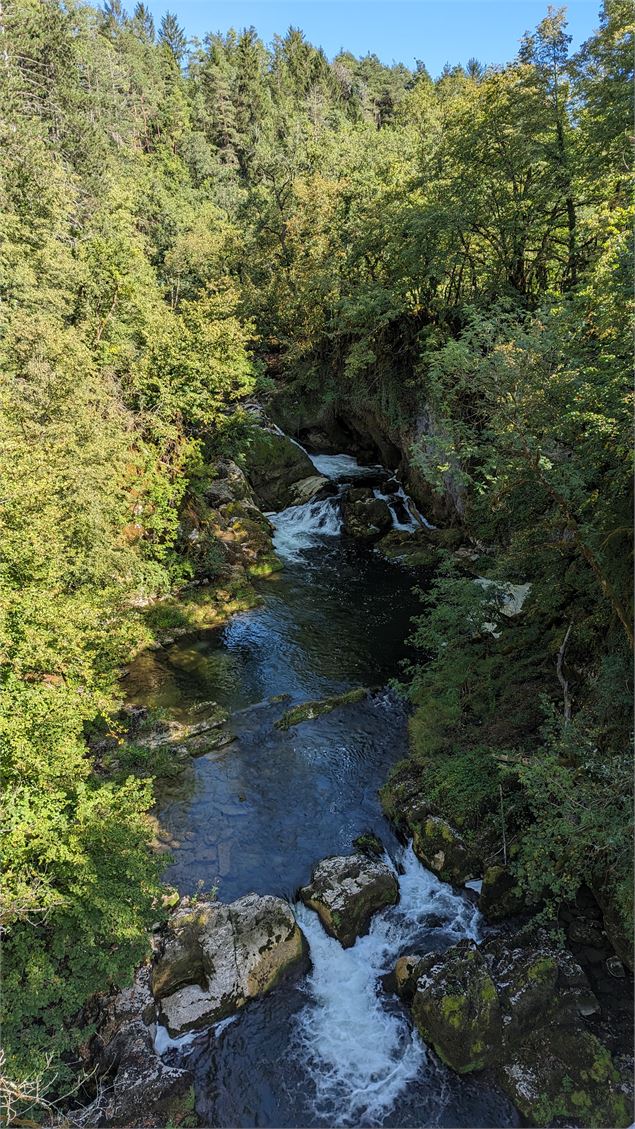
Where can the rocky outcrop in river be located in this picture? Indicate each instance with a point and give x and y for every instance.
(346, 891)
(520, 1010)
(215, 957)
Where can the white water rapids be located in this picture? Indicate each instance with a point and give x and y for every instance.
(300, 527)
(360, 1051)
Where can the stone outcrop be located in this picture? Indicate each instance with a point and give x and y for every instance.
(364, 516)
(215, 957)
(223, 531)
(274, 465)
(437, 844)
(500, 896)
(316, 486)
(345, 892)
(440, 847)
(521, 1011)
(134, 1085)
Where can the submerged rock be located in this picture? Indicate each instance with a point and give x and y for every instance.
(345, 892)
(216, 957)
(308, 711)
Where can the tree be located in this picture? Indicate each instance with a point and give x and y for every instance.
(172, 36)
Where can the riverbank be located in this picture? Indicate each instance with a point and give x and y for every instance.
(257, 811)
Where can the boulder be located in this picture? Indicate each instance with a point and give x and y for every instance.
(568, 1075)
(364, 516)
(216, 957)
(346, 891)
(274, 463)
(316, 486)
(413, 549)
(456, 1008)
(500, 897)
(406, 976)
(439, 847)
(519, 1009)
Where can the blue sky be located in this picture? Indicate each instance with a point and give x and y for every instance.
(436, 31)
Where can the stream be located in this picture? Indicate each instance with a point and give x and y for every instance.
(334, 1047)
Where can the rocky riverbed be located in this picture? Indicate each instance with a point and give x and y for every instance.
(328, 961)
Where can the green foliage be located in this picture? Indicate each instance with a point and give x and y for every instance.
(454, 252)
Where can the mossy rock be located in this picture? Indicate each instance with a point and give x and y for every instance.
(566, 1074)
(273, 464)
(365, 518)
(456, 1008)
(414, 550)
(439, 847)
(500, 896)
(308, 711)
(346, 890)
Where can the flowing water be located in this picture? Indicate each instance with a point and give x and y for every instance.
(332, 1047)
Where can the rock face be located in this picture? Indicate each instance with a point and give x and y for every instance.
(215, 957)
(141, 1089)
(364, 516)
(500, 896)
(346, 891)
(223, 532)
(274, 465)
(439, 847)
(520, 1011)
(436, 843)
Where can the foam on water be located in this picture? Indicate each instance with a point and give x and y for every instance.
(341, 466)
(358, 1047)
(300, 527)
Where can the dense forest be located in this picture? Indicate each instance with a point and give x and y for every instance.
(190, 227)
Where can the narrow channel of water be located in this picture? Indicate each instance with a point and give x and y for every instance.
(333, 1048)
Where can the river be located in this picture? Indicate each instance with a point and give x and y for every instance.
(332, 1048)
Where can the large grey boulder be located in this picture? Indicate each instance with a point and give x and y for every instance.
(216, 957)
(345, 892)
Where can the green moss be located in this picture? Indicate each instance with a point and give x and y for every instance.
(542, 969)
(453, 1009)
(488, 991)
(266, 566)
(310, 710)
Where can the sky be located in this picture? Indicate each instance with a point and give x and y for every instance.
(435, 31)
